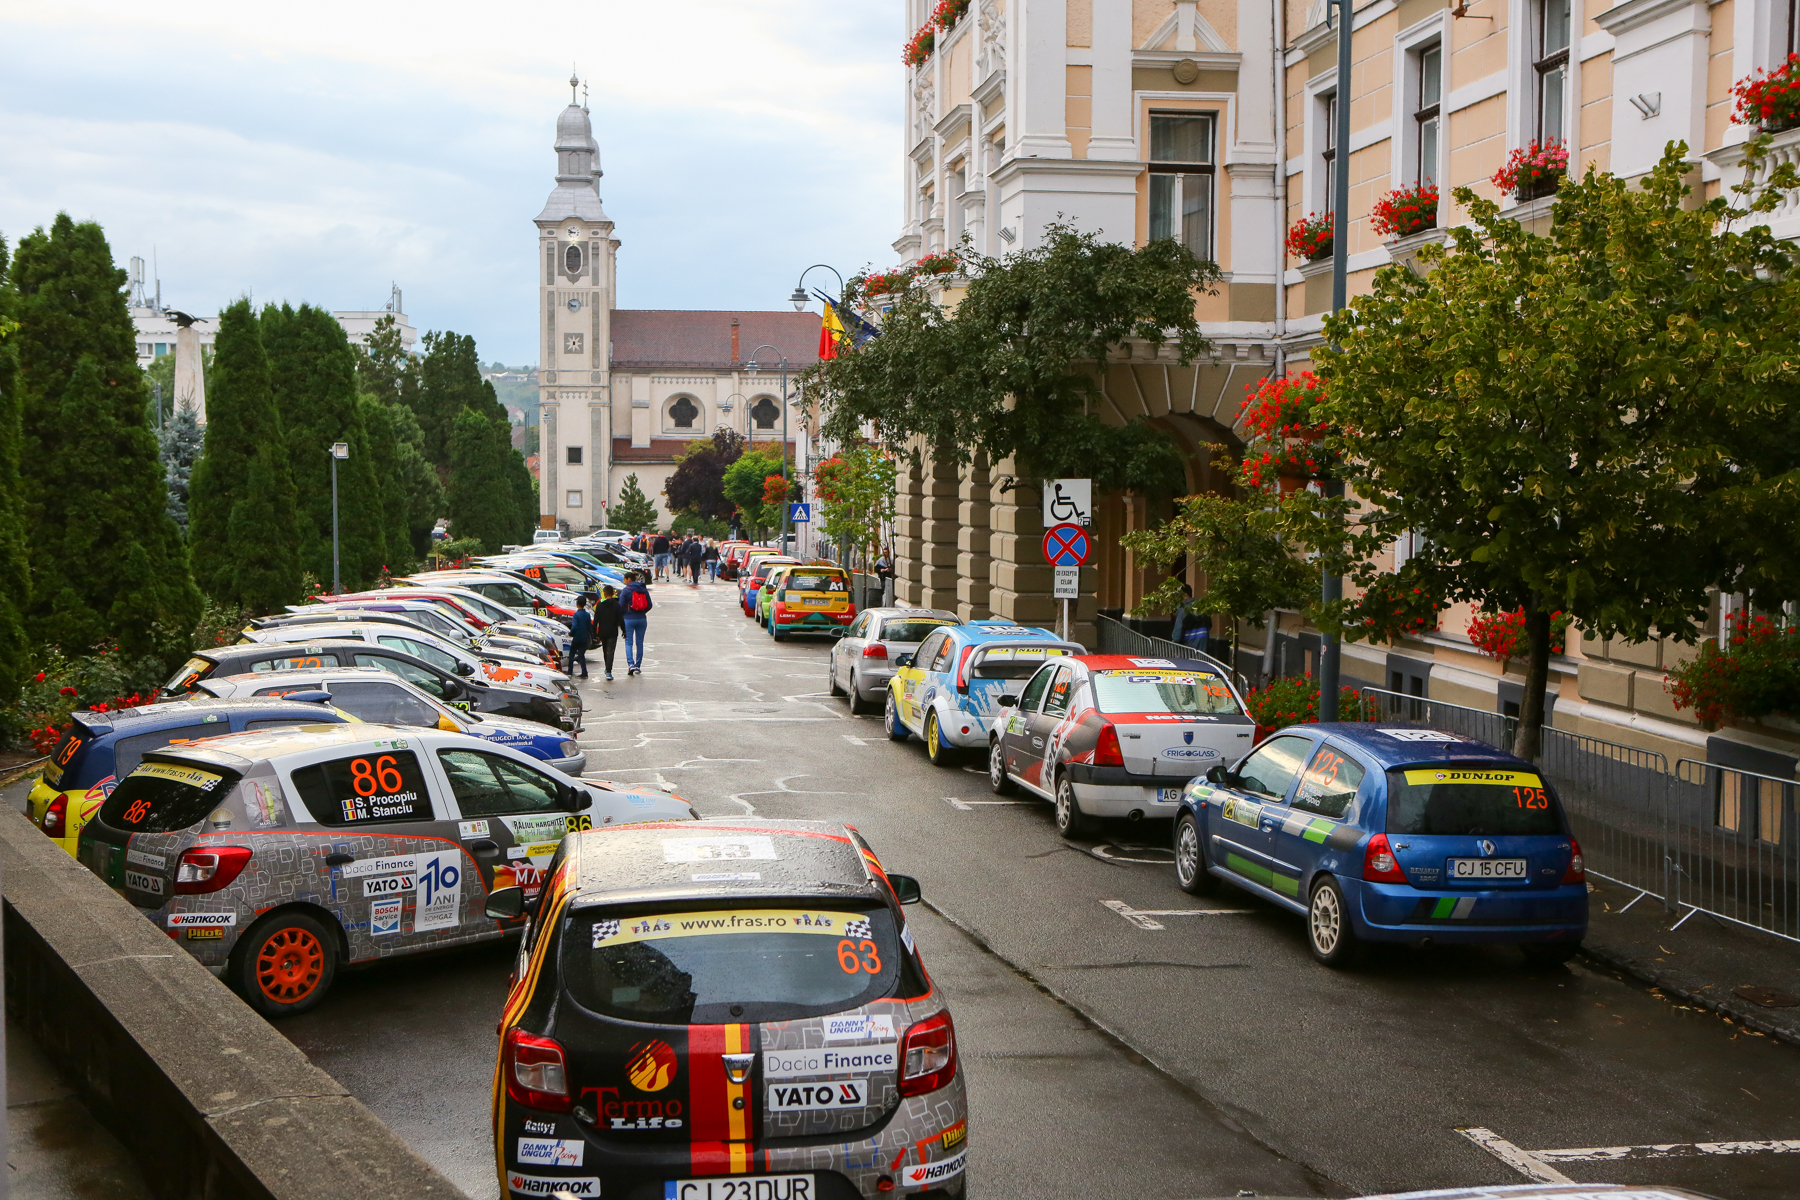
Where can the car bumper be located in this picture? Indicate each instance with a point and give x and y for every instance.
(872, 683)
(832, 623)
(570, 766)
(1392, 912)
(1161, 799)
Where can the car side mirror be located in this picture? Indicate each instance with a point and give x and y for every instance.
(505, 904)
(463, 668)
(906, 889)
(905, 660)
(452, 689)
(1008, 700)
(584, 800)
(1218, 774)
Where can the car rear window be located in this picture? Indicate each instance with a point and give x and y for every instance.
(162, 798)
(129, 752)
(1163, 691)
(911, 629)
(296, 662)
(1014, 662)
(67, 756)
(684, 967)
(1459, 800)
(816, 581)
(367, 789)
(192, 672)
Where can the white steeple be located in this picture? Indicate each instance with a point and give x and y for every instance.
(577, 192)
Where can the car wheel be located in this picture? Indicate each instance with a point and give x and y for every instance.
(940, 752)
(896, 729)
(1550, 954)
(774, 633)
(1190, 858)
(858, 706)
(998, 779)
(831, 683)
(1071, 822)
(285, 965)
(1328, 930)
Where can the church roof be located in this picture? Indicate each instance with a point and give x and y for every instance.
(574, 200)
(660, 337)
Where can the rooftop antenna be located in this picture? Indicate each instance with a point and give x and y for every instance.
(138, 299)
(156, 273)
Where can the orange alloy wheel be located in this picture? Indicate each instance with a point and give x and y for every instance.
(290, 965)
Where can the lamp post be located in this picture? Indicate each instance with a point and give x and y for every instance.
(338, 450)
(784, 435)
(744, 403)
(1331, 587)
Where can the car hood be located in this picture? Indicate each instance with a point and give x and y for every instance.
(515, 731)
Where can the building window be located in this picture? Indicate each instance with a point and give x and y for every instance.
(572, 500)
(765, 413)
(683, 413)
(571, 343)
(572, 260)
(1426, 117)
(1181, 179)
(574, 456)
(1328, 134)
(1552, 67)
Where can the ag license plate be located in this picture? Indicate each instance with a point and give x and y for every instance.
(1170, 795)
(820, 601)
(742, 1187)
(1487, 868)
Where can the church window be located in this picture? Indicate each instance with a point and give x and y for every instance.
(574, 456)
(683, 413)
(764, 413)
(571, 343)
(572, 259)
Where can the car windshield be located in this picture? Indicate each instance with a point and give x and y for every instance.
(1014, 662)
(732, 964)
(816, 581)
(910, 630)
(1162, 691)
(162, 798)
(1459, 800)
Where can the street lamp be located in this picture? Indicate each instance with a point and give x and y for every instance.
(1331, 587)
(784, 432)
(338, 450)
(743, 402)
(800, 299)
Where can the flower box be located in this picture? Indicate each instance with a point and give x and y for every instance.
(1310, 237)
(1406, 211)
(1769, 100)
(919, 49)
(1534, 170)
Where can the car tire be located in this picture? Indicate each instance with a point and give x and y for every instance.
(998, 779)
(1550, 954)
(896, 729)
(858, 706)
(1191, 873)
(940, 752)
(1071, 822)
(775, 635)
(284, 964)
(831, 683)
(1329, 934)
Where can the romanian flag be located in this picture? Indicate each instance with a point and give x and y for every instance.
(853, 329)
(831, 333)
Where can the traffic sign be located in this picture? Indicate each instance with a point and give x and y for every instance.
(1068, 583)
(800, 514)
(1068, 502)
(1067, 546)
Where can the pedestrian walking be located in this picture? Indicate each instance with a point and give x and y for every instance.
(660, 549)
(635, 605)
(581, 636)
(692, 552)
(607, 619)
(711, 558)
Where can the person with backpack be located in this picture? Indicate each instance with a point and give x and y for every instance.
(581, 635)
(607, 620)
(635, 605)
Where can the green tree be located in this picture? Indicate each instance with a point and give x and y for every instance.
(744, 485)
(1011, 372)
(421, 489)
(384, 455)
(265, 575)
(524, 487)
(698, 482)
(106, 560)
(383, 367)
(1244, 548)
(15, 573)
(180, 441)
(1579, 421)
(483, 496)
(634, 511)
(856, 492)
(449, 381)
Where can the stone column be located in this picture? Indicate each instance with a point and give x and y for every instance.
(908, 521)
(190, 379)
(1019, 576)
(937, 532)
(972, 560)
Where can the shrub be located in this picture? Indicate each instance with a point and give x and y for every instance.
(1758, 677)
(1294, 700)
(1406, 211)
(1310, 237)
(1769, 100)
(1501, 635)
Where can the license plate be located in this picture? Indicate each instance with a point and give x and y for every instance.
(1170, 795)
(1487, 868)
(742, 1187)
(819, 600)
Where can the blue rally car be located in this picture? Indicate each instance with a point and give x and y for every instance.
(1385, 833)
(948, 691)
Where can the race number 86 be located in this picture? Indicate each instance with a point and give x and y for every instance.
(382, 776)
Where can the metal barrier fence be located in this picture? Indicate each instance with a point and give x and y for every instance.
(1117, 638)
(1704, 838)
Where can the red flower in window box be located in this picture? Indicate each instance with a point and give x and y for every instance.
(1406, 211)
(948, 13)
(1534, 170)
(920, 47)
(1769, 100)
(1310, 237)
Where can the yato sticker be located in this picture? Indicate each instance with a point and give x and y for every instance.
(389, 885)
(816, 1097)
(717, 849)
(857, 1027)
(550, 1152)
(1419, 735)
(935, 1172)
(384, 917)
(828, 1060)
(144, 883)
(541, 1185)
(198, 919)
(147, 860)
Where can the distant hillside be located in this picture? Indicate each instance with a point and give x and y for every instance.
(517, 390)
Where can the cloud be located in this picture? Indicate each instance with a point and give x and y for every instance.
(321, 152)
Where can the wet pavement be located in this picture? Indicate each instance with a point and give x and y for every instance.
(1207, 1057)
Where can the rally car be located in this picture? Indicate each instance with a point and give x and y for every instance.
(948, 691)
(709, 1011)
(807, 598)
(1107, 735)
(1393, 834)
(750, 581)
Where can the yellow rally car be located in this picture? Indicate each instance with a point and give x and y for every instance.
(806, 598)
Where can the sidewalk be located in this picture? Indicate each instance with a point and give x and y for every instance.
(56, 1150)
(1750, 977)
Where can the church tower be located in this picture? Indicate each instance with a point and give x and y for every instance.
(576, 272)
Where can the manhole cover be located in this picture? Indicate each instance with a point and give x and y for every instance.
(1767, 997)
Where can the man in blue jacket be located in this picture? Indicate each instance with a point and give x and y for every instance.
(581, 636)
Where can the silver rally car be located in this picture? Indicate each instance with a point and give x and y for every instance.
(276, 857)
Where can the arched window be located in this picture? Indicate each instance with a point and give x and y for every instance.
(683, 413)
(765, 413)
(572, 260)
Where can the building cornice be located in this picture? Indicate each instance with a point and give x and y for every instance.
(960, 115)
(1633, 14)
(990, 88)
(1206, 60)
(1014, 167)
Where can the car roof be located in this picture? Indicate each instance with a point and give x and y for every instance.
(308, 675)
(1392, 744)
(150, 718)
(1126, 662)
(218, 654)
(239, 751)
(982, 632)
(634, 863)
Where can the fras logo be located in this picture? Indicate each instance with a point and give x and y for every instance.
(540, 1185)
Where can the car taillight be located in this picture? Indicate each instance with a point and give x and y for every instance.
(536, 1075)
(1106, 750)
(207, 869)
(55, 817)
(1379, 865)
(928, 1056)
(874, 650)
(962, 669)
(1577, 872)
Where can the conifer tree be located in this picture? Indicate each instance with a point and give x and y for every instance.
(15, 576)
(384, 454)
(634, 511)
(523, 487)
(449, 381)
(180, 440)
(480, 494)
(106, 559)
(422, 490)
(265, 574)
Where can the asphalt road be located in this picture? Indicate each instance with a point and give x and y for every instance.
(1211, 1057)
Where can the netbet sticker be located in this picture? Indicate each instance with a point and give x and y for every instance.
(717, 849)
(935, 1172)
(541, 1185)
(550, 1152)
(818, 1097)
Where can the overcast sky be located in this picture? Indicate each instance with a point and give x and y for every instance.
(322, 151)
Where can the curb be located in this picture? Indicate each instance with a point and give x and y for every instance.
(1747, 1015)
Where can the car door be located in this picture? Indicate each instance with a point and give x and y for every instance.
(386, 703)
(909, 682)
(1242, 816)
(451, 691)
(1016, 737)
(1315, 822)
(512, 817)
(845, 650)
(1037, 756)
